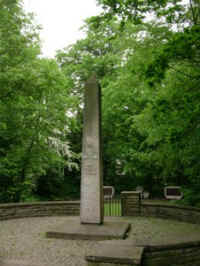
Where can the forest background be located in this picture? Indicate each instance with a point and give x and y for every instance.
(146, 55)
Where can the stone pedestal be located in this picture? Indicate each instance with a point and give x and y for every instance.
(110, 229)
(131, 203)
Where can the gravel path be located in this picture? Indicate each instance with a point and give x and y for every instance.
(24, 239)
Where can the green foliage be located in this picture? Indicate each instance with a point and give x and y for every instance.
(149, 74)
(150, 91)
(33, 106)
(136, 11)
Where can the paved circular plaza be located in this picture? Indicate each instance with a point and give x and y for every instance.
(24, 239)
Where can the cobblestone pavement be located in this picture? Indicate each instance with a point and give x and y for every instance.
(24, 239)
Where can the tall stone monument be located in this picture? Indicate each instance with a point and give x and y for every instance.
(91, 225)
(91, 172)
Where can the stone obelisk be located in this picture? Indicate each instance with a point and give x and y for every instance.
(91, 172)
(90, 226)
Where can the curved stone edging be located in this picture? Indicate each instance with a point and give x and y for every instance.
(181, 254)
(172, 206)
(54, 208)
(34, 209)
(133, 206)
(174, 212)
(186, 254)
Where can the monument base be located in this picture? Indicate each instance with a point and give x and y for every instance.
(13, 262)
(74, 230)
(115, 253)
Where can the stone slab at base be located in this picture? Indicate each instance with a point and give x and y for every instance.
(16, 263)
(73, 229)
(116, 252)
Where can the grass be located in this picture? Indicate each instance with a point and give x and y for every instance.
(112, 207)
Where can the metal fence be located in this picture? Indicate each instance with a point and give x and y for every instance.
(112, 207)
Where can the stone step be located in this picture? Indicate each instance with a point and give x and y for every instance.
(115, 253)
(13, 262)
